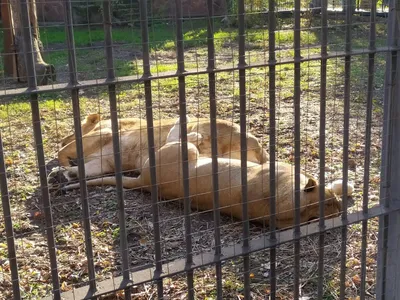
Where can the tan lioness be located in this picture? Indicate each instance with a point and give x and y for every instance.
(98, 145)
(169, 179)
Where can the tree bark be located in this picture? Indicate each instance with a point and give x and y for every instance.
(44, 71)
(365, 4)
(349, 4)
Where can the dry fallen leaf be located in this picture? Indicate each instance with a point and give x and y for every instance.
(8, 161)
(356, 279)
(37, 215)
(64, 286)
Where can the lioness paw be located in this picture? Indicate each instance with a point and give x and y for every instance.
(60, 176)
(337, 187)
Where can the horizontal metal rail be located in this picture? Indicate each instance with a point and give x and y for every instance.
(4, 94)
(208, 258)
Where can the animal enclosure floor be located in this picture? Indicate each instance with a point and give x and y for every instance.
(56, 116)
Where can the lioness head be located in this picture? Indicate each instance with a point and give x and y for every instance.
(309, 203)
(332, 204)
(89, 123)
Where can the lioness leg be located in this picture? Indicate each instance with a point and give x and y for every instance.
(95, 167)
(127, 182)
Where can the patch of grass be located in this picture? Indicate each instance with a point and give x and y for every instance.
(56, 115)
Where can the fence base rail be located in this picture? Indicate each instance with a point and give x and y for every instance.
(208, 258)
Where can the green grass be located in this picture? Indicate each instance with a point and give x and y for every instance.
(56, 111)
(91, 59)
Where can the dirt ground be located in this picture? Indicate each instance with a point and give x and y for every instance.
(56, 116)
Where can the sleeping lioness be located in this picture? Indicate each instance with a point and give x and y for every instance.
(98, 145)
(169, 179)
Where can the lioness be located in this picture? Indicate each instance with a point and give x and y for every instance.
(169, 179)
(98, 145)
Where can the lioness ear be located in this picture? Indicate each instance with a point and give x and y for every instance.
(311, 184)
(92, 119)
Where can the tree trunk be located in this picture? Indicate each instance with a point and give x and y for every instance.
(44, 71)
(349, 4)
(365, 4)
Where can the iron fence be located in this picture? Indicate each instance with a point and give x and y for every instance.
(387, 279)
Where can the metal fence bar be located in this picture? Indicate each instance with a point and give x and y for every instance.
(387, 263)
(297, 94)
(7, 94)
(322, 128)
(5, 200)
(388, 212)
(392, 223)
(367, 151)
(272, 142)
(346, 124)
(116, 143)
(183, 127)
(243, 145)
(79, 144)
(208, 258)
(151, 150)
(214, 143)
(37, 131)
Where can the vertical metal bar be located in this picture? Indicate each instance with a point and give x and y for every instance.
(150, 139)
(388, 284)
(79, 144)
(214, 146)
(116, 142)
(272, 142)
(347, 82)
(297, 92)
(183, 127)
(45, 195)
(322, 126)
(12, 257)
(70, 42)
(367, 152)
(243, 144)
(32, 85)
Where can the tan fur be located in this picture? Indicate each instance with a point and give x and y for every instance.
(98, 145)
(169, 179)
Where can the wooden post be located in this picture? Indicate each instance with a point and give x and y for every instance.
(9, 55)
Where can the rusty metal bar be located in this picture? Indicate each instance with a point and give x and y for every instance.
(387, 285)
(346, 124)
(214, 145)
(322, 128)
(37, 131)
(272, 142)
(183, 127)
(243, 145)
(116, 143)
(5, 200)
(367, 150)
(151, 147)
(79, 144)
(297, 94)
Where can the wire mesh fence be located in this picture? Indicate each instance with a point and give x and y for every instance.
(105, 195)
